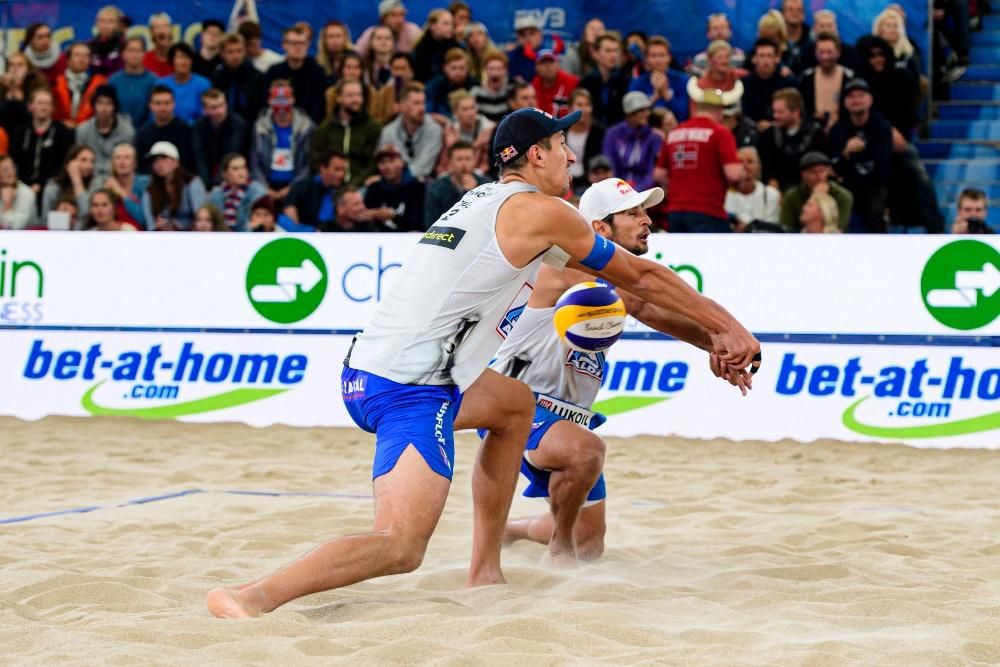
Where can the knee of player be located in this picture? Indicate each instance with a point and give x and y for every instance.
(588, 453)
(407, 555)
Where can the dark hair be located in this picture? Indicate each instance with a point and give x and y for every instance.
(517, 87)
(249, 30)
(460, 145)
(228, 158)
(343, 192)
(218, 221)
(327, 155)
(180, 47)
(975, 194)
(129, 40)
(62, 178)
(159, 89)
(828, 37)
(29, 32)
(160, 198)
(106, 91)
(765, 41)
(76, 45)
(213, 23)
(606, 37)
(90, 223)
(404, 55)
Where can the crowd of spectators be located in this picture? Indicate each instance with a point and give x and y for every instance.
(797, 131)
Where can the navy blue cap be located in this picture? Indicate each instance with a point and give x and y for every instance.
(522, 129)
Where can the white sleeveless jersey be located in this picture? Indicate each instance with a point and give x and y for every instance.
(534, 354)
(454, 300)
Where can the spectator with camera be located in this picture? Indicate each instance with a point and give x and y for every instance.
(971, 213)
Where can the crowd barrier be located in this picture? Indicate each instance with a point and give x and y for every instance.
(889, 339)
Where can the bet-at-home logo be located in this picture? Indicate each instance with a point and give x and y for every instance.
(22, 286)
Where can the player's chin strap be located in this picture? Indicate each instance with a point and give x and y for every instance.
(755, 364)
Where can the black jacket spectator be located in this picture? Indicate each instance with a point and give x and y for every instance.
(866, 172)
(211, 143)
(40, 157)
(405, 197)
(306, 84)
(757, 94)
(243, 89)
(781, 152)
(176, 132)
(442, 194)
(607, 95)
(895, 91)
(307, 195)
(797, 57)
(428, 56)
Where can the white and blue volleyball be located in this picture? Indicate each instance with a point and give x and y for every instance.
(589, 317)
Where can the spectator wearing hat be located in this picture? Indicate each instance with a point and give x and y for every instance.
(164, 126)
(262, 59)
(395, 200)
(452, 185)
(348, 129)
(414, 133)
(42, 52)
(743, 129)
(263, 216)
(454, 76)
(608, 83)
(632, 145)
(598, 169)
(552, 85)
(174, 194)
(133, 83)
(312, 199)
(392, 14)
(74, 89)
(105, 130)
(492, 94)
(162, 33)
(822, 85)
(301, 71)
(698, 162)
(529, 40)
(238, 79)
(718, 28)
(816, 170)
(720, 75)
(749, 200)
(790, 136)
(861, 145)
(762, 82)
(108, 41)
(187, 85)
(282, 137)
(217, 133)
(665, 87)
(585, 138)
(234, 195)
(209, 55)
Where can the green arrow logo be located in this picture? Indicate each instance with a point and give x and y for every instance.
(286, 281)
(961, 285)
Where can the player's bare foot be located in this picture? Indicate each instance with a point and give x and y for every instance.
(490, 577)
(230, 603)
(562, 558)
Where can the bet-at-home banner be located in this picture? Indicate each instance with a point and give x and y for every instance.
(889, 339)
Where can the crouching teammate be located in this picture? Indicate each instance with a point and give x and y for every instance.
(418, 371)
(563, 459)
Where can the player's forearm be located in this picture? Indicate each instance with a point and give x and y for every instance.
(662, 287)
(673, 324)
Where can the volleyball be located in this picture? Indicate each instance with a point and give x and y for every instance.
(589, 317)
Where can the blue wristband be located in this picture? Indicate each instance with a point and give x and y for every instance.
(600, 254)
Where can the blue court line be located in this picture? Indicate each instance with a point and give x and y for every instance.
(180, 494)
(929, 340)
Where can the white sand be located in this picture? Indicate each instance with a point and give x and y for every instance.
(719, 553)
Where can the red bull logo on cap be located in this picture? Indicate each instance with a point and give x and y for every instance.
(508, 154)
(623, 187)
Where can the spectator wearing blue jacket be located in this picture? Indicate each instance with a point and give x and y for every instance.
(665, 87)
(529, 41)
(454, 76)
(632, 145)
(187, 85)
(134, 83)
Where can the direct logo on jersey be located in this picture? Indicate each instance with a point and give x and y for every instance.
(446, 237)
(590, 364)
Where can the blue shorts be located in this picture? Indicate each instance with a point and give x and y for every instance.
(401, 415)
(538, 479)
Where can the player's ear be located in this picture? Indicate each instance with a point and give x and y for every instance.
(602, 228)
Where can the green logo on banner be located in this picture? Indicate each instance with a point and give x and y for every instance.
(286, 281)
(961, 285)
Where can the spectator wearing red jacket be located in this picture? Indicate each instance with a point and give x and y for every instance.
(552, 84)
(74, 89)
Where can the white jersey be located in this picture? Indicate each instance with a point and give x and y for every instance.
(454, 300)
(534, 354)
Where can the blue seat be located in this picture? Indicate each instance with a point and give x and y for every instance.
(958, 170)
(947, 191)
(944, 150)
(975, 91)
(960, 129)
(969, 111)
(980, 72)
(983, 54)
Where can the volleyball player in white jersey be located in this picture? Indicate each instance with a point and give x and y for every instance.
(418, 371)
(563, 458)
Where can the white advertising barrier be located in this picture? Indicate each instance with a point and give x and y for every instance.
(899, 285)
(926, 397)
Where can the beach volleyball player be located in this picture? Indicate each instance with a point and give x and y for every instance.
(418, 371)
(563, 458)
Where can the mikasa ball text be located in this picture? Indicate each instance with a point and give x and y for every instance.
(589, 317)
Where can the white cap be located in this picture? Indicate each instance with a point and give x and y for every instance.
(164, 148)
(525, 22)
(613, 195)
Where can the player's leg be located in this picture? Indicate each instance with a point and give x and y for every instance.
(575, 457)
(590, 530)
(408, 504)
(504, 407)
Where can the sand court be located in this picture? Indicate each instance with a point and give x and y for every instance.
(718, 553)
